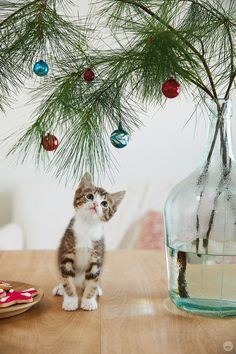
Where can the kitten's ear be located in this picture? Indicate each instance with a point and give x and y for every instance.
(86, 181)
(118, 197)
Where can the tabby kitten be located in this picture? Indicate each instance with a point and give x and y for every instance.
(81, 251)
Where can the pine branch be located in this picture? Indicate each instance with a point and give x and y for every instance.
(191, 40)
(203, 178)
(41, 34)
(81, 115)
(10, 17)
(225, 22)
(233, 71)
(210, 9)
(182, 284)
(179, 35)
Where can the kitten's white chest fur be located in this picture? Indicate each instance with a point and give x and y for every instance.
(85, 233)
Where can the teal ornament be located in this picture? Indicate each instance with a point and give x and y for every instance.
(41, 68)
(119, 138)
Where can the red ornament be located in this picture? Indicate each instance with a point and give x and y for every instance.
(89, 75)
(171, 88)
(50, 142)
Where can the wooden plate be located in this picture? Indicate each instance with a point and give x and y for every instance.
(20, 308)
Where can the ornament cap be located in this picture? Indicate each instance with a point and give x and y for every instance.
(120, 126)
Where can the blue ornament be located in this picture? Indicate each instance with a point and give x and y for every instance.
(41, 68)
(119, 138)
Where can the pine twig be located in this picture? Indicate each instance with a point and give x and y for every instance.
(233, 71)
(225, 173)
(182, 284)
(179, 35)
(22, 8)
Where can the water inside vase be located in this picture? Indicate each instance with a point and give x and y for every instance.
(209, 282)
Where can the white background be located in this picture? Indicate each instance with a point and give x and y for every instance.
(159, 154)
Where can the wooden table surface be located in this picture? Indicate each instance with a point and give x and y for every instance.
(135, 314)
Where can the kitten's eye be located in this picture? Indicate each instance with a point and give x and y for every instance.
(90, 196)
(104, 204)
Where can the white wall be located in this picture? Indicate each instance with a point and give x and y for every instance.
(160, 154)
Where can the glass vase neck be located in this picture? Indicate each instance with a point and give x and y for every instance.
(219, 143)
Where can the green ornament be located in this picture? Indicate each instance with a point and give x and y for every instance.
(119, 138)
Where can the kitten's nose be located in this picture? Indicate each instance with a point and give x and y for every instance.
(95, 204)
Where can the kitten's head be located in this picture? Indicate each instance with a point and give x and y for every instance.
(94, 203)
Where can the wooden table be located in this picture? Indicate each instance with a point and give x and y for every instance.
(135, 314)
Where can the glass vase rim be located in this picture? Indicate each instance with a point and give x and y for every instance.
(220, 99)
(212, 102)
(212, 107)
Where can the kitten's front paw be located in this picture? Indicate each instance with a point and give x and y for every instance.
(89, 304)
(99, 291)
(58, 290)
(70, 303)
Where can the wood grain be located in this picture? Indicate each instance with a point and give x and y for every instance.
(135, 315)
(46, 328)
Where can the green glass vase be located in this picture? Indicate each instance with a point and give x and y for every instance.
(200, 226)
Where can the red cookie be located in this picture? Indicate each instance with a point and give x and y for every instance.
(32, 291)
(15, 297)
(4, 285)
(2, 293)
